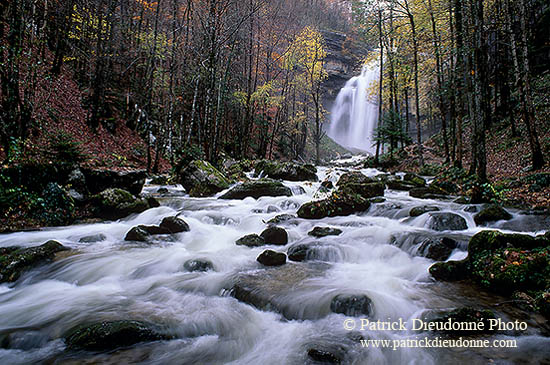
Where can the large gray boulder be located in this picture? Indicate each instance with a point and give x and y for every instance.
(201, 179)
(445, 221)
(286, 171)
(117, 203)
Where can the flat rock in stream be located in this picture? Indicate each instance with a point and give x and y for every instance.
(286, 289)
(341, 204)
(104, 336)
(286, 170)
(15, 260)
(256, 189)
(320, 232)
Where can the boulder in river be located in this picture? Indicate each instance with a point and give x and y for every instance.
(281, 218)
(271, 258)
(198, 265)
(450, 270)
(117, 203)
(338, 204)
(366, 190)
(418, 211)
(492, 213)
(324, 231)
(93, 238)
(430, 192)
(100, 180)
(446, 221)
(414, 179)
(352, 305)
(256, 189)
(286, 171)
(174, 225)
(324, 356)
(201, 179)
(354, 177)
(104, 336)
(251, 240)
(275, 236)
(299, 252)
(437, 248)
(399, 185)
(15, 260)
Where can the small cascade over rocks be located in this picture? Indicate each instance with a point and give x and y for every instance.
(355, 112)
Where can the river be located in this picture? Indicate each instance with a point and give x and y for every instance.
(114, 279)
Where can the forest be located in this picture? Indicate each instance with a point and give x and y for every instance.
(249, 181)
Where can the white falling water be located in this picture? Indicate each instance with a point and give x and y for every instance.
(355, 112)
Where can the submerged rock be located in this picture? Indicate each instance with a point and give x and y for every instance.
(446, 222)
(352, 305)
(492, 213)
(117, 203)
(336, 205)
(418, 211)
(281, 218)
(275, 236)
(93, 238)
(106, 336)
(15, 260)
(271, 258)
(251, 240)
(286, 171)
(200, 265)
(324, 231)
(201, 179)
(324, 356)
(299, 252)
(256, 189)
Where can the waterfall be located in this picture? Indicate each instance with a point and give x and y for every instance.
(355, 112)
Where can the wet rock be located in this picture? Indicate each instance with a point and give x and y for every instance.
(324, 231)
(418, 211)
(272, 209)
(377, 200)
(327, 185)
(399, 185)
(271, 258)
(100, 180)
(106, 336)
(450, 270)
(354, 177)
(269, 289)
(281, 218)
(201, 179)
(414, 179)
(369, 190)
(162, 191)
(152, 202)
(352, 305)
(446, 222)
(438, 249)
(159, 180)
(492, 213)
(323, 356)
(198, 265)
(174, 225)
(430, 192)
(117, 203)
(275, 236)
(15, 260)
(299, 252)
(467, 315)
(336, 205)
(286, 171)
(251, 240)
(93, 238)
(257, 189)
(138, 233)
(471, 209)
(462, 200)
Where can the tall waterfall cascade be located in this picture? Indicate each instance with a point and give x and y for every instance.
(354, 114)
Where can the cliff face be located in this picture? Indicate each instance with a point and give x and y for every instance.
(343, 61)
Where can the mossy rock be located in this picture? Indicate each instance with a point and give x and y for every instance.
(414, 179)
(256, 189)
(492, 213)
(418, 211)
(201, 179)
(105, 336)
(286, 171)
(450, 270)
(339, 204)
(117, 203)
(399, 185)
(429, 192)
(15, 260)
(354, 177)
(365, 190)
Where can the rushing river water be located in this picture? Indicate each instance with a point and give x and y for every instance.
(114, 279)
